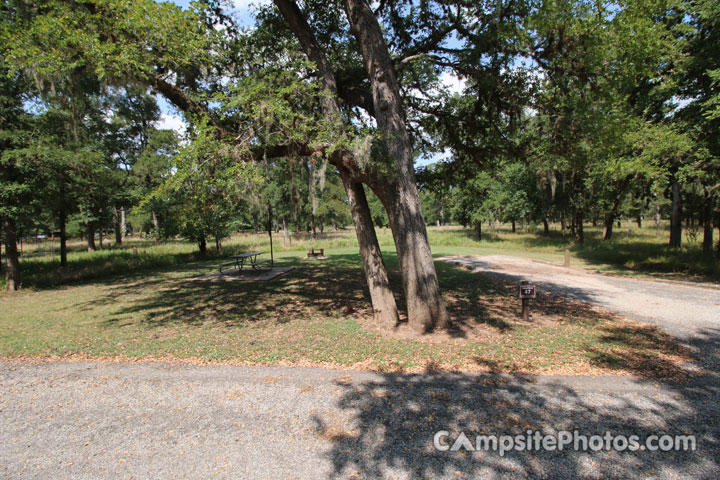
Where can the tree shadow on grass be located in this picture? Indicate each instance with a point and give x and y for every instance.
(638, 348)
(467, 300)
(336, 288)
(319, 286)
(109, 265)
(393, 419)
(506, 281)
(644, 350)
(331, 287)
(651, 258)
(488, 235)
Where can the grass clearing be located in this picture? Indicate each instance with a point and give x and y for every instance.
(317, 315)
(633, 252)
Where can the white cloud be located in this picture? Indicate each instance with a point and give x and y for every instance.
(451, 82)
(444, 156)
(247, 4)
(171, 122)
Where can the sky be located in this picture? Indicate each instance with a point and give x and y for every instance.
(170, 117)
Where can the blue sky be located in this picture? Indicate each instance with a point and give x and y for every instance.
(243, 8)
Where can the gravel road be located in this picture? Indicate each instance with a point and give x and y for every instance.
(171, 421)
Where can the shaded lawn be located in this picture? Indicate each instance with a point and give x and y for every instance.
(40, 263)
(319, 314)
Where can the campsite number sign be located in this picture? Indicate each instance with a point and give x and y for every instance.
(527, 291)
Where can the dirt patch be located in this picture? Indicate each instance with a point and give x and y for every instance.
(333, 427)
(269, 380)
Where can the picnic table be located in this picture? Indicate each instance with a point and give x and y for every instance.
(241, 260)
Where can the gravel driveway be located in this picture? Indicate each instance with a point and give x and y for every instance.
(172, 421)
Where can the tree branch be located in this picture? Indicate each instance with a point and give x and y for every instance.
(183, 101)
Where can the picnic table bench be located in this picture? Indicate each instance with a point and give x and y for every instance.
(242, 260)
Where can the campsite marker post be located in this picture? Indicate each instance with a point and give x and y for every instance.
(527, 291)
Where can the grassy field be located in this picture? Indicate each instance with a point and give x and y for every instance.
(143, 301)
(633, 251)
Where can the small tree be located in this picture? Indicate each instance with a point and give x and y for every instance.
(206, 187)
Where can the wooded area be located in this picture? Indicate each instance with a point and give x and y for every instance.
(571, 111)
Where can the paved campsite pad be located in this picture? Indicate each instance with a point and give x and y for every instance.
(246, 275)
(159, 420)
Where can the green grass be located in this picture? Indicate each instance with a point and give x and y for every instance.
(140, 300)
(318, 314)
(633, 251)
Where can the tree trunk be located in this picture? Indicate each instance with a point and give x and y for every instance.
(117, 225)
(123, 223)
(381, 296)
(513, 225)
(676, 215)
(426, 309)
(63, 239)
(155, 222)
(546, 227)
(218, 244)
(708, 223)
(478, 230)
(579, 231)
(286, 233)
(90, 234)
(609, 221)
(12, 260)
(639, 221)
(202, 245)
